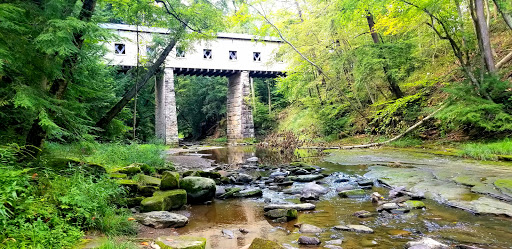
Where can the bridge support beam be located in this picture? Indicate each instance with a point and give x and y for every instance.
(240, 123)
(166, 121)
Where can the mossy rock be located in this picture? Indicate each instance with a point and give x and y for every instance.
(351, 193)
(134, 202)
(300, 164)
(225, 180)
(199, 189)
(146, 190)
(253, 192)
(230, 192)
(504, 185)
(130, 170)
(414, 204)
(149, 180)
(170, 180)
(189, 173)
(164, 200)
(118, 175)
(131, 185)
(259, 243)
(181, 242)
(289, 214)
(468, 180)
(209, 174)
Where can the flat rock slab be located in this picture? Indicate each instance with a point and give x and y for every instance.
(307, 228)
(354, 228)
(298, 207)
(307, 178)
(181, 242)
(161, 219)
(425, 243)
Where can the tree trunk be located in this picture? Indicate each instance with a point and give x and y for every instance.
(506, 16)
(37, 134)
(371, 24)
(483, 35)
(112, 113)
(393, 86)
(269, 98)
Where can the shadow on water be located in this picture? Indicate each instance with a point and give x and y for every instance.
(449, 225)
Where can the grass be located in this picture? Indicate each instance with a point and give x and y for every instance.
(42, 208)
(487, 151)
(111, 156)
(406, 142)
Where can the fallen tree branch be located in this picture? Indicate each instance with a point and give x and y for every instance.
(504, 61)
(387, 141)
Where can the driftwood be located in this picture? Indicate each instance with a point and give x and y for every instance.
(419, 123)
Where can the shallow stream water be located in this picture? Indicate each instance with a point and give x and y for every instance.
(439, 221)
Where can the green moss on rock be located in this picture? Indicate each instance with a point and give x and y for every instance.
(504, 185)
(181, 242)
(149, 180)
(117, 175)
(170, 180)
(351, 193)
(259, 243)
(134, 202)
(199, 189)
(164, 200)
(130, 170)
(414, 204)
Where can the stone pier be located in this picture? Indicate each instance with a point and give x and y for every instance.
(240, 123)
(166, 121)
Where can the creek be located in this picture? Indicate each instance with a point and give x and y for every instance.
(417, 171)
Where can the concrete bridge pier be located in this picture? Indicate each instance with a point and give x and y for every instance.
(166, 120)
(240, 123)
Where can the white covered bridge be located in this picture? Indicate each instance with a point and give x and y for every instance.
(239, 57)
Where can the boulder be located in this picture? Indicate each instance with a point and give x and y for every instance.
(414, 204)
(199, 189)
(252, 159)
(208, 174)
(259, 243)
(229, 192)
(396, 192)
(362, 214)
(243, 178)
(134, 202)
(149, 180)
(425, 243)
(346, 186)
(354, 193)
(333, 247)
(307, 228)
(252, 192)
(146, 191)
(170, 180)
(388, 206)
(164, 200)
(161, 219)
(181, 242)
(130, 185)
(130, 170)
(228, 233)
(354, 228)
(289, 214)
(298, 207)
(305, 240)
(334, 242)
(307, 178)
(116, 175)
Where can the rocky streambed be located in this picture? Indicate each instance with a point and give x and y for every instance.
(248, 197)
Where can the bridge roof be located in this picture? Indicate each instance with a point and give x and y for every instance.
(126, 27)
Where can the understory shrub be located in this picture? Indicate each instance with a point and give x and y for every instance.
(42, 209)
